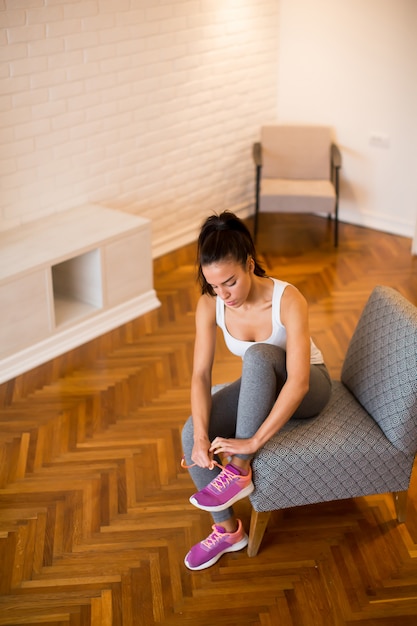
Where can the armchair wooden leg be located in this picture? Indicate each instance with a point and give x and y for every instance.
(258, 524)
(400, 502)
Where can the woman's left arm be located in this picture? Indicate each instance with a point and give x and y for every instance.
(294, 316)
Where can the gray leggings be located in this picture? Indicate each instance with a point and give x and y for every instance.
(240, 408)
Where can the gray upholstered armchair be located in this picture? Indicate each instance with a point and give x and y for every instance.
(365, 440)
(297, 171)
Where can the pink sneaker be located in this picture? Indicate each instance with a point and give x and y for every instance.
(209, 551)
(227, 488)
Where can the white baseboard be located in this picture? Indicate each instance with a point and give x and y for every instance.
(76, 335)
(414, 244)
(377, 222)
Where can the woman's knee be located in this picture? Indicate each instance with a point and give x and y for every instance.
(265, 354)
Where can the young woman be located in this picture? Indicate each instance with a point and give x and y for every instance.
(264, 321)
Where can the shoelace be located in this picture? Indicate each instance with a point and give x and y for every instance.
(220, 482)
(223, 480)
(213, 538)
(185, 466)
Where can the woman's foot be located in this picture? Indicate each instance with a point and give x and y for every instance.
(209, 551)
(224, 490)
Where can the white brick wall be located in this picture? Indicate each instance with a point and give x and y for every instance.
(148, 109)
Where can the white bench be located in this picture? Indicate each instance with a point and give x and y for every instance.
(68, 278)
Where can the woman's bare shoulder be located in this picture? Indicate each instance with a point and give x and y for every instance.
(293, 300)
(206, 307)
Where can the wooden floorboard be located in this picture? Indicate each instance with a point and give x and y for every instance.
(94, 511)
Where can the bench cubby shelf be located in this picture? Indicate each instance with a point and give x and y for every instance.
(68, 278)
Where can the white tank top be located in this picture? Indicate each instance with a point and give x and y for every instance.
(278, 336)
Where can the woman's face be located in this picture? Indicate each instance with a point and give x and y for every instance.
(230, 281)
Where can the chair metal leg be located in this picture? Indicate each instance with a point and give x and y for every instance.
(257, 188)
(336, 164)
(336, 230)
(400, 502)
(258, 524)
(255, 226)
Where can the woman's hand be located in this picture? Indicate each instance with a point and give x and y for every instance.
(229, 447)
(201, 454)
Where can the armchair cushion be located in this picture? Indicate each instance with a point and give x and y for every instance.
(380, 367)
(297, 196)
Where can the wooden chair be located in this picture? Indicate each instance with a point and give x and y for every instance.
(297, 170)
(365, 440)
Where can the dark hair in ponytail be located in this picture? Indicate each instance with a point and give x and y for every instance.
(224, 236)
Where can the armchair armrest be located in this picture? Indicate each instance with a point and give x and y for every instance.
(336, 156)
(257, 154)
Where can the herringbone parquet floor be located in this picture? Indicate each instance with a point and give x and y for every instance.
(94, 511)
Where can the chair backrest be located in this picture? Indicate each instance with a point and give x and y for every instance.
(380, 367)
(296, 152)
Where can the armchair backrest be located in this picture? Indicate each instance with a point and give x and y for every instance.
(296, 152)
(380, 367)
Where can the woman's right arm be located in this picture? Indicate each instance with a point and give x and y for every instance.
(204, 348)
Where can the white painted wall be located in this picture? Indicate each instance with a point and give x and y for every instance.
(353, 64)
(148, 107)
(152, 107)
